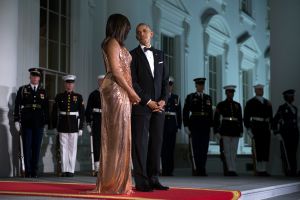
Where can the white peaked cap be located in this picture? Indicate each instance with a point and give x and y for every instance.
(229, 87)
(69, 77)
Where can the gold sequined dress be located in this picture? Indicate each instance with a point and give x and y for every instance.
(114, 176)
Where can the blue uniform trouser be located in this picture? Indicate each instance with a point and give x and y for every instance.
(32, 140)
(200, 140)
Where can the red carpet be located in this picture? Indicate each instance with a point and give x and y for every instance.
(76, 190)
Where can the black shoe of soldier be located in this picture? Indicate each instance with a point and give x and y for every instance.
(263, 174)
(69, 174)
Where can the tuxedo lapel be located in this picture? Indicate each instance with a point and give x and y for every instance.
(155, 56)
(143, 57)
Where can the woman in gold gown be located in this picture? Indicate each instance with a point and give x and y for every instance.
(117, 95)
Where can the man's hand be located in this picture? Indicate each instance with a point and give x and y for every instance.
(89, 129)
(161, 104)
(18, 126)
(153, 105)
(187, 130)
(80, 133)
(279, 137)
(250, 133)
(218, 136)
(45, 129)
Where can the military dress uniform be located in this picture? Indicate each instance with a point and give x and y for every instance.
(198, 117)
(228, 123)
(285, 124)
(68, 118)
(31, 111)
(173, 122)
(258, 116)
(93, 119)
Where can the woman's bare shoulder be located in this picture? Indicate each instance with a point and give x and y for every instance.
(111, 45)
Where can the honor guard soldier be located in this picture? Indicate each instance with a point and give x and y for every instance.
(258, 118)
(68, 117)
(31, 117)
(197, 120)
(93, 121)
(286, 130)
(173, 122)
(228, 125)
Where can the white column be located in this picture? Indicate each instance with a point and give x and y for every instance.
(28, 38)
(87, 32)
(285, 59)
(8, 67)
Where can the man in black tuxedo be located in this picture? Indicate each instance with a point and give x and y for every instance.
(149, 79)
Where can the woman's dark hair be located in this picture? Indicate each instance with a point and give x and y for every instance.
(117, 27)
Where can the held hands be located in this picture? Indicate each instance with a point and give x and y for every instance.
(80, 133)
(18, 126)
(156, 106)
(89, 129)
(153, 105)
(161, 104)
(187, 130)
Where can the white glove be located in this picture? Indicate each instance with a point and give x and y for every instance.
(89, 129)
(18, 126)
(250, 133)
(218, 136)
(187, 130)
(80, 133)
(279, 137)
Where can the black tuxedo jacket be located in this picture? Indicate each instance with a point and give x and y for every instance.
(144, 84)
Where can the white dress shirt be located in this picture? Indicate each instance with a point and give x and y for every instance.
(150, 58)
(34, 86)
(260, 98)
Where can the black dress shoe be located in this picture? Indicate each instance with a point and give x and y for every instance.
(158, 186)
(202, 174)
(167, 174)
(231, 173)
(69, 174)
(194, 173)
(27, 175)
(143, 188)
(64, 174)
(264, 174)
(34, 176)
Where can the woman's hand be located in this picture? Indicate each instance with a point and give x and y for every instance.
(134, 98)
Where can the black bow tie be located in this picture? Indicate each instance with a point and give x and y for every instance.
(146, 49)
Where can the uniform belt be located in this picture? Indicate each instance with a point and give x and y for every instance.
(199, 113)
(260, 119)
(97, 110)
(230, 118)
(32, 106)
(170, 113)
(69, 113)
